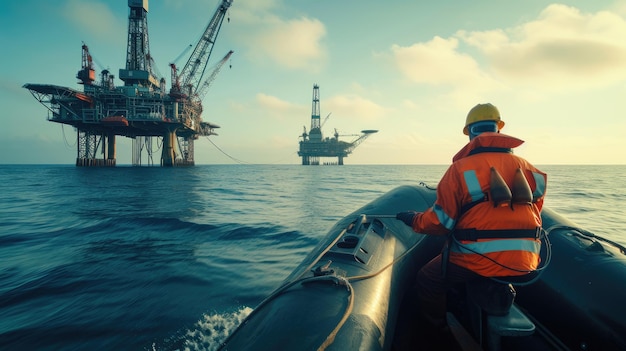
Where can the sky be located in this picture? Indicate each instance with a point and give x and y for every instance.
(410, 69)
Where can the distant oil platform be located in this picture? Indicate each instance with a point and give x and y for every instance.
(141, 109)
(314, 146)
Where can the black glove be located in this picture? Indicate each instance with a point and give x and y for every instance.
(406, 217)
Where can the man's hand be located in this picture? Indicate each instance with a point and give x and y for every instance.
(406, 217)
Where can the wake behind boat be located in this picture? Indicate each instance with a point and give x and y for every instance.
(353, 291)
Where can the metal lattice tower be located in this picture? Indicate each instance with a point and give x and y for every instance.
(313, 146)
(138, 60)
(315, 108)
(315, 133)
(140, 109)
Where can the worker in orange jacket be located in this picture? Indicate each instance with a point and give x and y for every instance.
(489, 200)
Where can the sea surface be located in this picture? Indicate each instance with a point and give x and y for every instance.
(150, 258)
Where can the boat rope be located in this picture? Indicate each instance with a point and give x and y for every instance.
(225, 154)
(332, 243)
(338, 280)
(331, 337)
(346, 282)
(245, 162)
(427, 186)
(536, 273)
(396, 260)
(65, 138)
(284, 287)
(334, 278)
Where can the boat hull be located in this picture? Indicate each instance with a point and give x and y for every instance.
(580, 296)
(354, 290)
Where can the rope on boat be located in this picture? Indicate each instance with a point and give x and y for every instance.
(331, 337)
(511, 280)
(331, 277)
(341, 281)
(338, 280)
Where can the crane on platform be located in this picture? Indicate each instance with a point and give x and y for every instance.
(87, 74)
(139, 109)
(176, 92)
(202, 90)
(354, 143)
(174, 75)
(189, 86)
(191, 76)
(325, 119)
(337, 135)
(364, 135)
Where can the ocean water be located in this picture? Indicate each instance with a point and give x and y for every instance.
(150, 258)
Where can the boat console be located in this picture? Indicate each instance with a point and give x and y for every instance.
(360, 240)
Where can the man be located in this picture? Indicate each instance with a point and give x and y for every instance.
(490, 201)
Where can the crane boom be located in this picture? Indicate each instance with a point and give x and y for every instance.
(192, 72)
(202, 90)
(325, 119)
(365, 134)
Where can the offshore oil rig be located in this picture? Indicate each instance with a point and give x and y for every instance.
(141, 109)
(313, 145)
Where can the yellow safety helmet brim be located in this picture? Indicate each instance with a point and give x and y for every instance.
(483, 112)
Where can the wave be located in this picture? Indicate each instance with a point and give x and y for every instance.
(158, 223)
(208, 333)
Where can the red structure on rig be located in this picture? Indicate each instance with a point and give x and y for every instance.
(141, 109)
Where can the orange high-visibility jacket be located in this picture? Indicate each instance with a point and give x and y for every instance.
(502, 239)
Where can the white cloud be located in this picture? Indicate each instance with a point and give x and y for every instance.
(295, 43)
(354, 108)
(96, 18)
(277, 108)
(563, 49)
(439, 62)
(435, 62)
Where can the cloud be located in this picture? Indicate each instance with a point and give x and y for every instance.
(355, 108)
(439, 62)
(274, 103)
(435, 62)
(563, 49)
(295, 43)
(94, 18)
(277, 108)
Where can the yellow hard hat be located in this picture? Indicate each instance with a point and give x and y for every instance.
(483, 112)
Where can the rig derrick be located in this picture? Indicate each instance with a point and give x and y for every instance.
(141, 109)
(314, 146)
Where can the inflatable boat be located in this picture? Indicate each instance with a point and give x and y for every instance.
(353, 291)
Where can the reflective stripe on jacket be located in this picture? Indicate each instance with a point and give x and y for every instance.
(466, 181)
